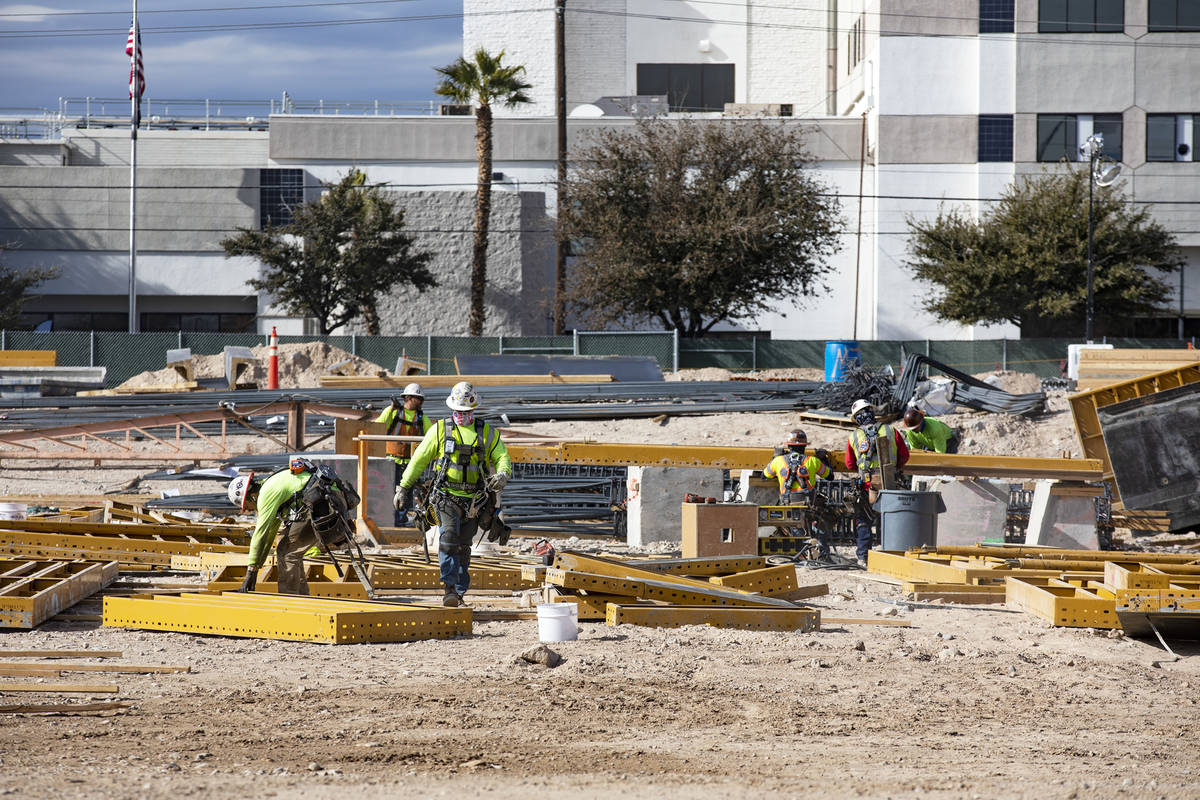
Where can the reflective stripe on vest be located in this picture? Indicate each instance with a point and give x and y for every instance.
(464, 465)
(862, 447)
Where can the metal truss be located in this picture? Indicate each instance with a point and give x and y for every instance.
(33, 591)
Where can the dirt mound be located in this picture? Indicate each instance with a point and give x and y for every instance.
(301, 366)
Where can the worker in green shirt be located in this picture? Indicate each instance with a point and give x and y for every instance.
(471, 468)
(275, 501)
(404, 418)
(927, 433)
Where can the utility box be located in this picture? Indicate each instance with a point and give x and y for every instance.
(720, 529)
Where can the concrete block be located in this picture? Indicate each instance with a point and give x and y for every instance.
(1062, 517)
(237, 361)
(656, 495)
(719, 529)
(976, 510)
(180, 360)
(381, 482)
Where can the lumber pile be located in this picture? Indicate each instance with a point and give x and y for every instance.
(1103, 367)
(664, 594)
(1068, 588)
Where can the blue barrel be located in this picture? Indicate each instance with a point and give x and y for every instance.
(839, 356)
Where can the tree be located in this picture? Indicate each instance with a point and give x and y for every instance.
(483, 80)
(337, 255)
(1025, 260)
(15, 286)
(692, 223)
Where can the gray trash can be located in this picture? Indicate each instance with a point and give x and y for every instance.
(907, 518)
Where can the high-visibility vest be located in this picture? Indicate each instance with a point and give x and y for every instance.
(463, 466)
(881, 457)
(399, 426)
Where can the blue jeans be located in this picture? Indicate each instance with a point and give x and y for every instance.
(454, 545)
(862, 527)
(400, 517)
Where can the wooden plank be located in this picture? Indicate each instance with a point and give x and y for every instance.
(61, 708)
(129, 669)
(60, 653)
(63, 688)
(891, 623)
(805, 592)
(28, 358)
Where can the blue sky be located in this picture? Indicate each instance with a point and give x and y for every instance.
(381, 59)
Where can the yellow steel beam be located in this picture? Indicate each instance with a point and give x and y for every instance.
(670, 588)
(702, 567)
(570, 579)
(634, 454)
(102, 548)
(33, 591)
(1061, 603)
(769, 619)
(770, 581)
(215, 533)
(1048, 553)
(289, 617)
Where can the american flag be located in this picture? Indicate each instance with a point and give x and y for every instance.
(137, 74)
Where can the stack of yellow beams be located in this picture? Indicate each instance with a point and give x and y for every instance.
(1074, 588)
(142, 543)
(628, 593)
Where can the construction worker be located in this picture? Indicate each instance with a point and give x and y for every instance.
(798, 474)
(404, 417)
(876, 451)
(928, 433)
(274, 501)
(471, 467)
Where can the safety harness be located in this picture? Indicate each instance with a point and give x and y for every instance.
(400, 426)
(457, 456)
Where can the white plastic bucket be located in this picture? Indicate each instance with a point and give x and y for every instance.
(12, 511)
(558, 622)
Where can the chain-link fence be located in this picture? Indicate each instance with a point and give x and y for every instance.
(127, 354)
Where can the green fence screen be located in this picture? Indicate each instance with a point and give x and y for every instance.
(127, 354)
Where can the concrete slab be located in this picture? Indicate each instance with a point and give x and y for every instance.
(976, 510)
(1061, 517)
(760, 492)
(656, 498)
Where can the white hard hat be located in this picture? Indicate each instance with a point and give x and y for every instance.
(239, 488)
(463, 397)
(858, 406)
(413, 390)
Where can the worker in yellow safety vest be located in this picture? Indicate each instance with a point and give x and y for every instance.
(471, 467)
(404, 417)
(876, 451)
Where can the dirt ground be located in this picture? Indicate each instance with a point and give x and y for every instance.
(978, 702)
(974, 702)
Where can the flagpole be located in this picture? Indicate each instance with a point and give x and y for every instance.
(135, 102)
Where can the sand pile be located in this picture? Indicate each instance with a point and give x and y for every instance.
(301, 366)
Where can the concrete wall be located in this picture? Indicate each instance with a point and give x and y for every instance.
(109, 147)
(87, 208)
(32, 153)
(520, 261)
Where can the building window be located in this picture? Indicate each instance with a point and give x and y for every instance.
(1174, 15)
(688, 87)
(199, 323)
(1081, 16)
(995, 137)
(280, 191)
(856, 43)
(996, 16)
(75, 321)
(1060, 135)
(1170, 137)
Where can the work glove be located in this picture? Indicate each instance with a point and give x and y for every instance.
(400, 498)
(821, 454)
(251, 580)
(497, 481)
(396, 401)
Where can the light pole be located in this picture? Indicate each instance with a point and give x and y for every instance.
(1093, 149)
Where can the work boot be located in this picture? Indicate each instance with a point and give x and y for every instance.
(451, 599)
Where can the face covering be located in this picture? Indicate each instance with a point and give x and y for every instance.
(463, 417)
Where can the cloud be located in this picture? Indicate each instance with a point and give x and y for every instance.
(25, 13)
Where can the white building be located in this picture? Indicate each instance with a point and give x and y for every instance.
(925, 103)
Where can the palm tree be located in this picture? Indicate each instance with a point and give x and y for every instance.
(483, 80)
